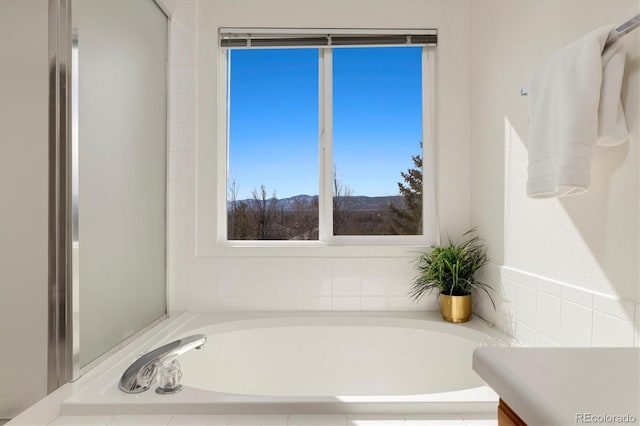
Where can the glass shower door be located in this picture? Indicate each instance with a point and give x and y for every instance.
(120, 156)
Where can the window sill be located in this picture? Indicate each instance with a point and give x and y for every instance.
(315, 249)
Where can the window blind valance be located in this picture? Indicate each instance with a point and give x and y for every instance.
(247, 40)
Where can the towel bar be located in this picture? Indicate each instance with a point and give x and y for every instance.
(622, 30)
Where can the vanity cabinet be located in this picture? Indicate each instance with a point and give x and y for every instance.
(562, 386)
(507, 417)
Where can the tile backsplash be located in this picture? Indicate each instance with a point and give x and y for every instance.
(543, 312)
(298, 284)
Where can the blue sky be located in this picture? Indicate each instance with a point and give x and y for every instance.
(273, 128)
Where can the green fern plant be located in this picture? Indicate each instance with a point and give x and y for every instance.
(450, 268)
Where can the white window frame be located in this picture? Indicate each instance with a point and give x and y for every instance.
(385, 243)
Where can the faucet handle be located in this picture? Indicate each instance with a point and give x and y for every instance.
(146, 375)
(170, 375)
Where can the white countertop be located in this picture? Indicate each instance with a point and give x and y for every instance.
(557, 386)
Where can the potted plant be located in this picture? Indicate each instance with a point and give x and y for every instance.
(450, 269)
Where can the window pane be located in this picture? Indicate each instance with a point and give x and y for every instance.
(377, 134)
(273, 145)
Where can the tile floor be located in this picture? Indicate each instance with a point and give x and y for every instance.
(279, 420)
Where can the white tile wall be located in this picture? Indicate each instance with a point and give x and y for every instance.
(259, 277)
(552, 313)
(548, 316)
(288, 304)
(525, 335)
(611, 331)
(542, 342)
(287, 276)
(576, 326)
(182, 267)
(317, 278)
(526, 305)
(287, 284)
(282, 420)
(230, 278)
(374, 303)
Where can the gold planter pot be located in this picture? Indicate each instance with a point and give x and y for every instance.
(455, 308)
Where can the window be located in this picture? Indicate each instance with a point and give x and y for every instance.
(273, 144)
(327, 143)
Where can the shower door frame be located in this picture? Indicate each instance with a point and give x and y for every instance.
(59, 342)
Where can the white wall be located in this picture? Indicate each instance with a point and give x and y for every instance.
(353, 279)
(23, 205)
(587, 244)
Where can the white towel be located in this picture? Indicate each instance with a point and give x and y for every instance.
(574, 103)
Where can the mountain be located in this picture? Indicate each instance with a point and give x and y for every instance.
(368, 204)
(355, 202)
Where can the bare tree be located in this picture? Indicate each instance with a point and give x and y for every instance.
(342, 206)
(239, 224)
(264, 211)
(305, 219)
(244, 228)
(232, 207)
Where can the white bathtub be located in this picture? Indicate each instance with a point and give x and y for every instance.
(263, 363)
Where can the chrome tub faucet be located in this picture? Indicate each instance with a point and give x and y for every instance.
(161, 361)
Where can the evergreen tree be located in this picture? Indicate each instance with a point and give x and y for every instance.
(407, 220)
